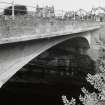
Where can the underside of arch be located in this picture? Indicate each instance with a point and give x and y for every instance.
(14, 56)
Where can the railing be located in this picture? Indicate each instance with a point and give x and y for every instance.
(32, 25)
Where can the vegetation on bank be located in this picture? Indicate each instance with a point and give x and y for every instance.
(97, 97)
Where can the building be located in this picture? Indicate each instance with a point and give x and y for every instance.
(98, 13)
(82, 14)
(45, 11)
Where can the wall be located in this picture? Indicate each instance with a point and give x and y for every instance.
(31, 25)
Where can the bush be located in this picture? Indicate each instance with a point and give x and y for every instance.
(97, 80)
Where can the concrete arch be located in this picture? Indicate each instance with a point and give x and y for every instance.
(74, 45)
(15, 55)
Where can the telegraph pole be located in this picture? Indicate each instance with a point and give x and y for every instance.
(13, 14)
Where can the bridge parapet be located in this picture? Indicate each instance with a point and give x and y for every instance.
(27, 26)
(15, 55)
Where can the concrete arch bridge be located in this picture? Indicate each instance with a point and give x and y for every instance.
(15, 52)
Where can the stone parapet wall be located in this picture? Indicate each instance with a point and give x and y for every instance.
(31, 25)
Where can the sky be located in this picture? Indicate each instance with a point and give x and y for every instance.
(58, 4)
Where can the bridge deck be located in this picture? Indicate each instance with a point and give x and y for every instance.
(25, 28)
(48, 35)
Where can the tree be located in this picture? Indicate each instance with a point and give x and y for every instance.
(97, 80)
(18, 10)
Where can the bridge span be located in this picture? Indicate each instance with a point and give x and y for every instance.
(15, 52)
